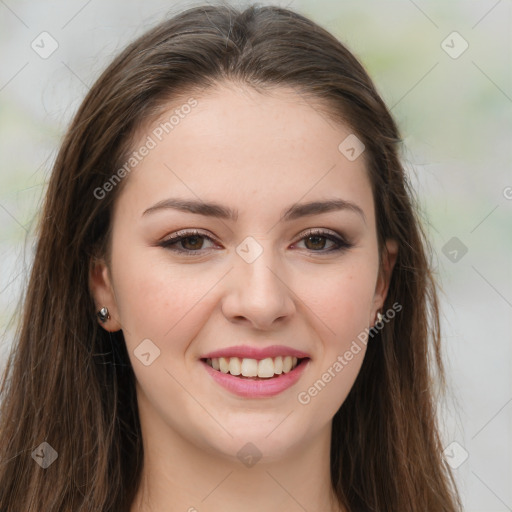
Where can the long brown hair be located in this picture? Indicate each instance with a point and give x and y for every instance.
(69, 383)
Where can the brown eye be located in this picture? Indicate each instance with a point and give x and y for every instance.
(315, 241)
(191, 242)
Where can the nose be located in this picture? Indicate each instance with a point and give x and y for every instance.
(258, 293)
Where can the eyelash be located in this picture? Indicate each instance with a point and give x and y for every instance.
(341, 243)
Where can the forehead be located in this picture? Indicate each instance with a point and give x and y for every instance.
(248, 150)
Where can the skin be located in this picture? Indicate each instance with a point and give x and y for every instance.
(258, 154)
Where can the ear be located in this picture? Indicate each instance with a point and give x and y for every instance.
(389, 256)
(103, 293)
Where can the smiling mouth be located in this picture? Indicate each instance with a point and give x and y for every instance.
(245, 368)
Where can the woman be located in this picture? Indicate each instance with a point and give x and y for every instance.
(231, 305)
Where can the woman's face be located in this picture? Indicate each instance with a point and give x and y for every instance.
(253, 281)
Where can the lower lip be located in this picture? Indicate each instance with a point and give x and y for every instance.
(260, 388)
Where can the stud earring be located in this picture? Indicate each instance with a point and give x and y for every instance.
(103, 314)
(379, 316)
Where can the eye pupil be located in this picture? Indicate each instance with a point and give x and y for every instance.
(195, 238)
(317, 237)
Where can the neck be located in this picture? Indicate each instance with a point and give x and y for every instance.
(180, 476)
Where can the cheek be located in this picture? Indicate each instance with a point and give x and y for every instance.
(342, 299)
(343, 305)
(157, 299)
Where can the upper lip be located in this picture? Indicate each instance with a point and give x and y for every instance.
(246, 352)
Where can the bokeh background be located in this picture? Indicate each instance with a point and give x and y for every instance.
(451, 94)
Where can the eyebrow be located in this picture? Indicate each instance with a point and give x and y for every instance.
(295, 211)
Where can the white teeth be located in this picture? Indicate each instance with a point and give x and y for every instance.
(223, 365)
(287, 364)
(264, 368)
(249, 367)
(235, 366)
(278, 365)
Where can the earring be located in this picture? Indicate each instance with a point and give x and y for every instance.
(103, 314)
(379, 316)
